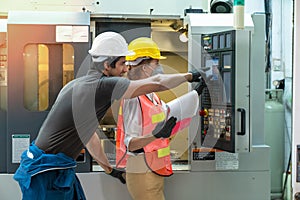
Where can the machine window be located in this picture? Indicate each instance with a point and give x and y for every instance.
(68, 63)
(36, 77)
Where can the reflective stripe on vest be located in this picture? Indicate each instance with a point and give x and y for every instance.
(163, 152)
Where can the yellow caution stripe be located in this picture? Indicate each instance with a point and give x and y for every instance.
(163, 152)
(158, 117)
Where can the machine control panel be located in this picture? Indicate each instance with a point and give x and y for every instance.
(224, 105)
(216, 122)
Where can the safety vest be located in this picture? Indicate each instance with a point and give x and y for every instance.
(157, 153)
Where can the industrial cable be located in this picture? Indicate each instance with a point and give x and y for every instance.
(268, 12)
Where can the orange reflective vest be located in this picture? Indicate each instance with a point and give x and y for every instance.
(157, 153)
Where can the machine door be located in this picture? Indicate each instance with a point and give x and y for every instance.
(39, 67)
(225, 102)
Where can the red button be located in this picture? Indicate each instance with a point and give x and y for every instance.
(203, 113)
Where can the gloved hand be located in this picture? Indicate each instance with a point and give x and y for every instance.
(200, 86)
(197, 74)
(118, 174)
(166, 130)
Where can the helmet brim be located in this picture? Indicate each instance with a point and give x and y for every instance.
(99, 58)
(127, 53)
(135, 62)
(139, 60)
(161, 58)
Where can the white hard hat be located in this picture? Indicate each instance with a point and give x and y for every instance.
(109, 44)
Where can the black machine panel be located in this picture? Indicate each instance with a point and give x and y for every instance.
(217, 100)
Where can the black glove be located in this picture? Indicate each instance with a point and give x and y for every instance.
(166, 130)
(197, 74)
(118, 174)
(200, 86)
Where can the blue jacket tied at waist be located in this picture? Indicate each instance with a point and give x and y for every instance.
(47, 176)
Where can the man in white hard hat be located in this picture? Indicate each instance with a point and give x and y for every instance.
(47, 168)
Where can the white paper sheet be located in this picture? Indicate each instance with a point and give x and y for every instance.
(185, 106)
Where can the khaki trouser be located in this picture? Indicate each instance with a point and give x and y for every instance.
(143, 184)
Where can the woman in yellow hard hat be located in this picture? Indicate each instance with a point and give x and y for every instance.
(144, 128)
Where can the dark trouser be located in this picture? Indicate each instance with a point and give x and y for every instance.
(55, 184)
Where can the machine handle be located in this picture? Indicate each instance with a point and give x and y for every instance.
(243, 121)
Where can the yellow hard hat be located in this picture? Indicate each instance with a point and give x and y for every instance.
(143, 47)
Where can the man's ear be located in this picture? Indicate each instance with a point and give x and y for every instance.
(107, 68)
(106, 65)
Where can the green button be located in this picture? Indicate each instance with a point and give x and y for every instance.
(239, 3)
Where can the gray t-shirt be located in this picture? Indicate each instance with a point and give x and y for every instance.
(76, 113)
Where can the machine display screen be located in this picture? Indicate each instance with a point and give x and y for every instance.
(213, 64)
